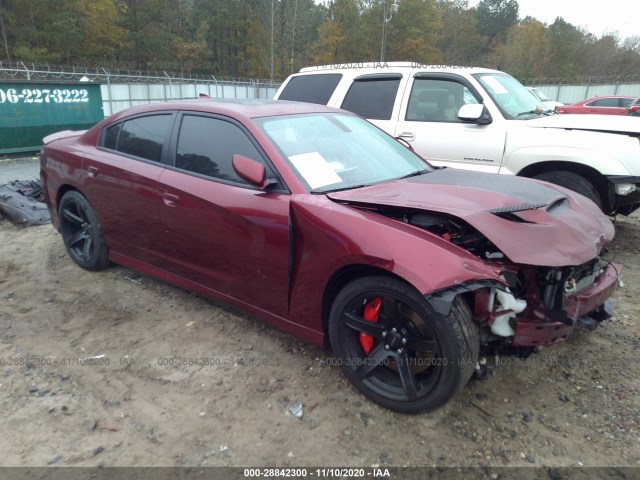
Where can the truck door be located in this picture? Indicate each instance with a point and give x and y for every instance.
(428, 120)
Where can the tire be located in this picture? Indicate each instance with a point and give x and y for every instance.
(429, 357)
(81, 232)
(574, 182)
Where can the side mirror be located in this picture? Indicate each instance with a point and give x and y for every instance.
(250, 171)
(475, 113)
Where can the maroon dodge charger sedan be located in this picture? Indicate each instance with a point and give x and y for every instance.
(319, 223)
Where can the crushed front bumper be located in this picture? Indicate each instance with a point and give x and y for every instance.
(541, 331)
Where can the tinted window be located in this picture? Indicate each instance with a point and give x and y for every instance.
(111, 136)
(434, 100)
(604, 102)
(626, 102)
(372, 98)
(144, 136)
(207, 145)
(311, 88)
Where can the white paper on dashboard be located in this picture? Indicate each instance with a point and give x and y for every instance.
(315, 169)
(495, 84)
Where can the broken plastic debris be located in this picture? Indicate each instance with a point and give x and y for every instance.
(296, 409)
(22, 202)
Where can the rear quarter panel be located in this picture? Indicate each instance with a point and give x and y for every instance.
(61, 167)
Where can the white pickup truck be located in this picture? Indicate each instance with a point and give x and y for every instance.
(484, 120)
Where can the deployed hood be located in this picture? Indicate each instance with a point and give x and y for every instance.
(531, 222)
(596, 123)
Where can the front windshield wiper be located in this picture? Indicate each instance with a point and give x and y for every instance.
(535, 112)
(350, 187)
(415, 174)
(339, 189)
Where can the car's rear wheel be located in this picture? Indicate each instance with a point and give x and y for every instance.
(81, 232)
(574, 182)
(396, 349)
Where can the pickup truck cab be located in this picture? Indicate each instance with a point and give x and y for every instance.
(484, 120)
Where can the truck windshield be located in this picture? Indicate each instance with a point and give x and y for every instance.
(511, 97)
(540, 95)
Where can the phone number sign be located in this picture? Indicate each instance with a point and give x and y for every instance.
(30, 111)
(44, 95)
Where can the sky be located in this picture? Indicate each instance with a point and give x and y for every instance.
(596, 17)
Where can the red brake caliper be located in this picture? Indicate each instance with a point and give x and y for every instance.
(371, 313)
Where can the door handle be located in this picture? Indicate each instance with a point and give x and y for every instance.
(408, 136)
(92, 171)
(169, 199)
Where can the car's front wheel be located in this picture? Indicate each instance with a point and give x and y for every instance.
(396, 349)
(81, 232)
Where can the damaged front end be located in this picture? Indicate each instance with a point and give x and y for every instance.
(539, 305)
(544, 243)
(532, 305)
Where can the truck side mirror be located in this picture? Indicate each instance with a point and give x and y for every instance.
(475, 113)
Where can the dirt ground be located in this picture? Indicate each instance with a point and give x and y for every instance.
(90, 374)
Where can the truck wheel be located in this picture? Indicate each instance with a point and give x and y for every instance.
(574, 182)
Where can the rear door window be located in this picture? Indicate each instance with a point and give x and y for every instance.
(372, 98)
(311, 88)
(142, 137)
(111, 136)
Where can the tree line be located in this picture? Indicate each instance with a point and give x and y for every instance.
(273, 38)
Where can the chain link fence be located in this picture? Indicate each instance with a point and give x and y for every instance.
(19, 71)
(123, 88)
(583, 80)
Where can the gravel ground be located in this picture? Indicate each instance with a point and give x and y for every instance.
(85, 381)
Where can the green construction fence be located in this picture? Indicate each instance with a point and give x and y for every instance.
(30, 111)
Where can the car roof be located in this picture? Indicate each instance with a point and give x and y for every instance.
(608, 96)
(249, 108)
(359, 68)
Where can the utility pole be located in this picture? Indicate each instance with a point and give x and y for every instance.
(384, 30)
(4, 33)
(293, 31)
(394, 9)
(271, 69)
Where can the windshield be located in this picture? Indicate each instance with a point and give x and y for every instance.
(513, 99)
(334, 151)
(540, 95)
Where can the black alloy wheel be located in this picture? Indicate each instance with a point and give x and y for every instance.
(81, 232)
(396, 349)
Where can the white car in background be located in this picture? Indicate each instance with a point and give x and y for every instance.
(547, 102)
(483, 120)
